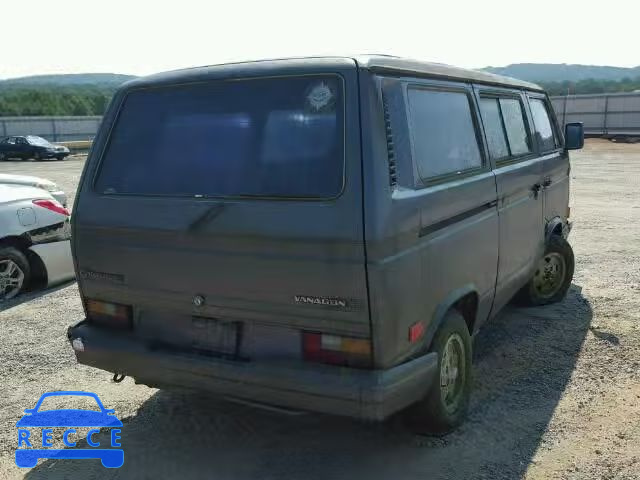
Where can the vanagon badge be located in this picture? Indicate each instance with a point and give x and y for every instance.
(325, 301)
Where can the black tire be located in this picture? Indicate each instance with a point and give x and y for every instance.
(432, 415)
(18, 258)
(60, 158)
(532, 296)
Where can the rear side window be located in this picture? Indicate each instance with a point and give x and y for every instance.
(505, 127)
(513, 115)
(542, 122)
(494, 128)
(276, 137)
(443, 132)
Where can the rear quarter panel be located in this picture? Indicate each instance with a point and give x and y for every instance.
(416, 261)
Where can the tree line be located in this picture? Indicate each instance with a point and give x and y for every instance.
(93, 100)
(591, 85)
(45, 100)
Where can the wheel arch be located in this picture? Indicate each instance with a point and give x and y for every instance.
(38, 268)
(555, 226)
(465, 301)
(21, 242)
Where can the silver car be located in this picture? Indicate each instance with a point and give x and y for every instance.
(34, 240)
(42, 183)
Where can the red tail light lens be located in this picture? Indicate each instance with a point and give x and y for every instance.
(109, 314)
(336, 350)
(53, 206)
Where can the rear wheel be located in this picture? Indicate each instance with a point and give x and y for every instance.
(14, 272)
(445, 405)
(552, 277)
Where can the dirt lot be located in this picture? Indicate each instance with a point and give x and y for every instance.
(557, 389)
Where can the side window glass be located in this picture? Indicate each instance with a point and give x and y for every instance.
(514, 125)
(443, 132)
(542, 122)
(492, 121)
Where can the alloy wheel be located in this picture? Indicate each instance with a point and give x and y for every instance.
(11, 279)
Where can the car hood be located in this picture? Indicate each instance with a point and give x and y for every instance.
(24, 180)
(14, 193)
(69, 418)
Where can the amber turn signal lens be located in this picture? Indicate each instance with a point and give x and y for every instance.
(108, 314)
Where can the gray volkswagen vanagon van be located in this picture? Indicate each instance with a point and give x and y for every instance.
(324, 234)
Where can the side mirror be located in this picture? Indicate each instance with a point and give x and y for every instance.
(574, 136)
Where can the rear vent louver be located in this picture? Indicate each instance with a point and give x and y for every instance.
(393, 171)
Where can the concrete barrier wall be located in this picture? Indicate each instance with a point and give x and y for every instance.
(55, 129)
(605, 114)
(602, 114)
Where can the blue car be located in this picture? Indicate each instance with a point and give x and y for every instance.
(110, 458)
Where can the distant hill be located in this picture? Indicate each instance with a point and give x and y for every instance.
(98, 80)
(549, 72)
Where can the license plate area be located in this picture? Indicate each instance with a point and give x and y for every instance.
(215, 336)
(187, 333)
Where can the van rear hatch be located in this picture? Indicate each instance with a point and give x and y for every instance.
(229, 196)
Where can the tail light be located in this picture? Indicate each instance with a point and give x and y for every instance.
(108, 314)
(336, 350)
(53, 206)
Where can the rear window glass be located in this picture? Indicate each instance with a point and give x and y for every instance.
(276, 137)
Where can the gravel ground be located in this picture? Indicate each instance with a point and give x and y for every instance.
(557, 389)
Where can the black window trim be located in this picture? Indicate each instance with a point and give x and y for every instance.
(121, 101)
(422, 182)
(555, 128)
(509, 94)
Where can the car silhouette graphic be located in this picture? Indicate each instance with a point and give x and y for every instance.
(110, 458)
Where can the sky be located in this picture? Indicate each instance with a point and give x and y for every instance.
(140, 37)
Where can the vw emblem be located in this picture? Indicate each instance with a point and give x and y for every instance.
(198, 300)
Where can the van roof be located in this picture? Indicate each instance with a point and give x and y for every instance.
(377, 63)
(410, 66)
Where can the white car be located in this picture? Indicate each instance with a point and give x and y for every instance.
(43, 183)
(34, 240)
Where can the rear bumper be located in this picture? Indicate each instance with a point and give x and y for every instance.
(366, 394)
